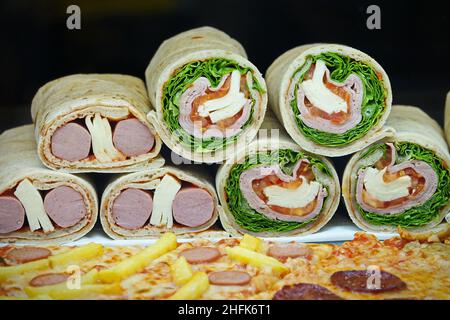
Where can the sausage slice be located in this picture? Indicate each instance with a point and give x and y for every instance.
(132, 137)
(365, 281)
(229, 278)
(132, 208)
(65, 206)
(71, 142)
(283, 251)
(12, 214)
(48, 279)
(26, 254)
(201, 254)
(192, 207)
(305, 291)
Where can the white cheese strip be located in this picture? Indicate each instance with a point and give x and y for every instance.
(226, 106)
(292, 198)
(162, 201)
(102, 144)
(385, 191)
(319, 95)
(32, 201)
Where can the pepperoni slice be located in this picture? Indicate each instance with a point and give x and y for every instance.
(201, 254)
(27, 254)
(48, 279)
(229, 278)
(305, 291)
(366, 281)
(283, 251)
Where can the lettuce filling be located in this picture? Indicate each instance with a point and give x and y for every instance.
(213, 70)
(248, 218)
(422, 214)
(373, 103)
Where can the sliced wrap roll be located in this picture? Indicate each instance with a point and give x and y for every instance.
(208, 98)
(332, 99)
(274, 188)
(402, 180)
(38, 205)
(148, 203)
(447, 118)
(94, 123)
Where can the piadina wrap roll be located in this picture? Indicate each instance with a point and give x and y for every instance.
(447, 118)
(332, 99)
(403, 180)
(208, 98)
(38, 205)
(94, 123)
(274, 188)
(148, 203)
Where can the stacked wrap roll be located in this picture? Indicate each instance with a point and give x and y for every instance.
(150, 202)
(94, 123)
(403, 180)
(332, 99)
(274, 188)
(208, 99)
(38, 205)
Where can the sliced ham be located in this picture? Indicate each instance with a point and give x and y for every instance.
(132, 208)
(65, 206)
(258, 172)
(197, 89)
(420, 167)
(71, 142)
(353, 86)
(132, 137)
(193, 207)
(12, 214)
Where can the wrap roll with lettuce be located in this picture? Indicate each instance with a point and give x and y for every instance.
(274, 188)
(208, 98)
(95, 123)
(148, 203)
(447, 118)
(402, 180)
(38, 205)
(332, 99)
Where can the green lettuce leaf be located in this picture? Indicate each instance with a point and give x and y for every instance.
(213, 70)
(247, 217)
(422, 214)
(373, 103)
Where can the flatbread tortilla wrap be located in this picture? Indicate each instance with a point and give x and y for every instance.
(447, 118)
(208, 99)
(403, 180)
(332, 99)
(274, 188)
(38, 205)
(94, 123)
(147, 203)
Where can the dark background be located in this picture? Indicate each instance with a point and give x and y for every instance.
(413, 44)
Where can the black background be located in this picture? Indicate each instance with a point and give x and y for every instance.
(413, 44)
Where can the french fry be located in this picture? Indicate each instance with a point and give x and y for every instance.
(88, 278)
(193, 289)
(85, 290)
(138, 262)
(6, 272)
(181, 271)
(256, 259)
(76, 255)
(251, 243)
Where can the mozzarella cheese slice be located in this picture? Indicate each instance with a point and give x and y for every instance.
(102, 144)
(226, 106)
(319, 95)
(292, 198)
(32, 201)
(162, 201)
(386, 191)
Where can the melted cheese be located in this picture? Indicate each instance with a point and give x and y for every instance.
(386, 191)
(226, 106)
(162, 201)
(292, 198)
(102, 144)
(32, 201)
(319, 95)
